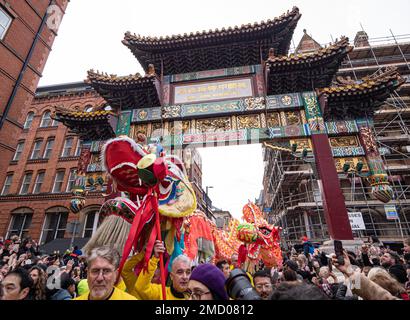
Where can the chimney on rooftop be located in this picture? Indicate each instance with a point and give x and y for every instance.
(361, 39)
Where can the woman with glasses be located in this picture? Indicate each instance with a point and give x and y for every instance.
(207, 282)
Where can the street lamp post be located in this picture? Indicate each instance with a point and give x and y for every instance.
(206, 199)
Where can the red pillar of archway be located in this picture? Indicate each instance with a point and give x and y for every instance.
(334, 206)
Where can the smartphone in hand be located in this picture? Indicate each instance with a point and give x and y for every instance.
(339, 252)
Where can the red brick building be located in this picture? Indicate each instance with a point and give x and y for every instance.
(27, 33)
(35, 195)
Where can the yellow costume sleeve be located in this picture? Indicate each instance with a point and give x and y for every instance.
(143, 286)
(128, 274)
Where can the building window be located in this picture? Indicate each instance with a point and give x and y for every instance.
(46, 120)
(54, 123)
(29, 120)
(88, 108)
(20, 223)
(71, 180)
(38, 183)
(91, 223)
(108, 108)
(55, 224)
(48, 149)
(78, 148)
(19, 151)
(26, 183)
(5, 21)
(58, 182)
(68, 145)
(7, 184)
(35, 154)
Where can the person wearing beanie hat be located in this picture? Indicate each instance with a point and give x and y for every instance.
(207, 282)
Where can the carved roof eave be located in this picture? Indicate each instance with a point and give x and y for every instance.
(388, 79)
(116, 89)
(114, 82)
(65, 113)
(138, 44)
(336, 52)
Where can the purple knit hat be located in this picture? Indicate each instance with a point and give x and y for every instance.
(212, 277)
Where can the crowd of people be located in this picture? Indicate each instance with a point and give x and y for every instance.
(372, 272)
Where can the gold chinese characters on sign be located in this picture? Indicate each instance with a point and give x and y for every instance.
(205, 91)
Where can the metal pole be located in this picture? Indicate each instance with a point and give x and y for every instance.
(398, 46)
(74, 231)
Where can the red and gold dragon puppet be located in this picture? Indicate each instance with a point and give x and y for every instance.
(254, 239)
(261, 239)
(155, 197)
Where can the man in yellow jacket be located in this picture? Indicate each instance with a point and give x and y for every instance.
(180, 273)
(102, 273)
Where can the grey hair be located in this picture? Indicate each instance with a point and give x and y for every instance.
(106, 252)
(181, 258)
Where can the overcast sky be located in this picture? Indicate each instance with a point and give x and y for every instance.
(91, 32)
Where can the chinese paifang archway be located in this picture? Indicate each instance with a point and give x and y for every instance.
(235, 85)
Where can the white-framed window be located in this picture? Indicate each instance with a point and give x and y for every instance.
(68, 145)
(39, 182)
(78, 148)
(29, 120)
(71, 180)
(35, 154)
(26, 183)
(58, 182)
(91, 223)
(20, 222)
(54, 225)
(48, 149)
(5, 22)
(19, 151)
(46, 120)
(54, 123)
(7, 184)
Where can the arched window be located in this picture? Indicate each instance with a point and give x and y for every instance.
(29, 120)
(46, 120)
(107, 108)
(20, 222)
(92, 221)
(55, 224)
(88, 108)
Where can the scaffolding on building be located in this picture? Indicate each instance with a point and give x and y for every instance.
(292, 190)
